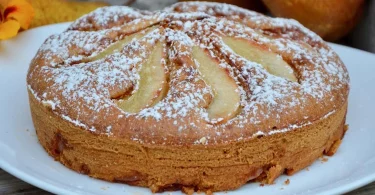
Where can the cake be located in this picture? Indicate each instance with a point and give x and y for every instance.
(196, 97)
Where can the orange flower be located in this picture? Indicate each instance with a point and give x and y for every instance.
(14, 15)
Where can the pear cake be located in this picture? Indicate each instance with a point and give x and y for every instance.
(196, 97)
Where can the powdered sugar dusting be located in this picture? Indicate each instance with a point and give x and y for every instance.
(85, 92)
(106, 17)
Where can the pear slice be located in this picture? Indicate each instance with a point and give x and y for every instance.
(152, 84)
(118, 45)
(226, 101)
(273, 63)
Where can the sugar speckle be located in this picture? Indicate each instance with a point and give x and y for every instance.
(79, 86)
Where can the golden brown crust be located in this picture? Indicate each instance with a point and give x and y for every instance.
(219, 168)
(279, 124)
(77, 90)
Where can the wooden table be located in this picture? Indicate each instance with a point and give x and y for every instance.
(10, 185)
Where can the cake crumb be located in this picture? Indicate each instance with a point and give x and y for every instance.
(188, 190)
(261, 185)
(335, 146)
(208, 192)
(287, 182)
(346, 127)
(307, 169)
(323, 159)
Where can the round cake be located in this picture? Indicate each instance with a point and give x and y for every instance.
(197, 97)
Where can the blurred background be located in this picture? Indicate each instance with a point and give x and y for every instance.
(347, 22)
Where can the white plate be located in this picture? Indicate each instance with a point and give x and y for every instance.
(21, 155)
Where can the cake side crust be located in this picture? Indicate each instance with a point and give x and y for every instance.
(194, 167)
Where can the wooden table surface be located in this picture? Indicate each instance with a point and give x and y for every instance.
(10, 185)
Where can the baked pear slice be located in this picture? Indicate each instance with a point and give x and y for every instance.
(152, 84)
(226, 101)
(119, 45)
(273, 63)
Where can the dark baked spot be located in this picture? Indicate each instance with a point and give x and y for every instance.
(84, 169)
(289, 171)
(187, 189)
(68, 162)
(260, 136)
(58, 144)
(172, 187)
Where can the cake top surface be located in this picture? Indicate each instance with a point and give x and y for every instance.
(194, 73)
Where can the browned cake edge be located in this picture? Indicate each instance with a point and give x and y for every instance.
(194, 167)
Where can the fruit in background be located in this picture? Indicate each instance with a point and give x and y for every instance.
(56, 11)
(331, 19)
(255, 5)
